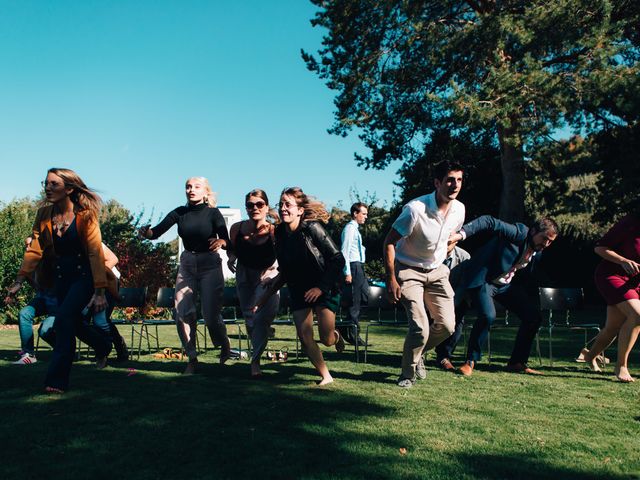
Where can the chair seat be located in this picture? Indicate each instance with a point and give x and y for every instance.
(563, 300)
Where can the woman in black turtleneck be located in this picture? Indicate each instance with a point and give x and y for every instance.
(203, 232)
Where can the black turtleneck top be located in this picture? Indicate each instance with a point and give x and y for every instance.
(196, 225)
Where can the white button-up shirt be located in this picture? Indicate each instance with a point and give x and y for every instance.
(352, 248)
(425, 231)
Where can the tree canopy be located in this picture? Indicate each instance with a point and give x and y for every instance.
(517, 70)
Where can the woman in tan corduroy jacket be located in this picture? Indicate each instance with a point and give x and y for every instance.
(66, 241)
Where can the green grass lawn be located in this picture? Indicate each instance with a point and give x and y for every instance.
(143, 420)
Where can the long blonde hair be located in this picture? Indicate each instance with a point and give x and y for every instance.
(84, 199)
(313, 209)
(210, 197)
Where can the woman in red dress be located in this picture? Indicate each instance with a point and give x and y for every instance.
(617, 278)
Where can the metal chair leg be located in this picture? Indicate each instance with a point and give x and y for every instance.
(356, 336)
(551, 345)
(366, 342)
(489, 345)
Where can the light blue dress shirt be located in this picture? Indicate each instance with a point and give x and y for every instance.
(352, 248)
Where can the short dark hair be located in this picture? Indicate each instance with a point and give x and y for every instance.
(355, 208)
(545, 224)
(441, 169)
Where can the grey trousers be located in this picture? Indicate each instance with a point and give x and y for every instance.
(199, 273)
(251, 285)
(420, 290)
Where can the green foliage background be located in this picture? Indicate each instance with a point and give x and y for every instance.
(141, 262)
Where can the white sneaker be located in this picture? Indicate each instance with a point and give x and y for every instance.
(26, 359)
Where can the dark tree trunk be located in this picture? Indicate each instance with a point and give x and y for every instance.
(512, 162)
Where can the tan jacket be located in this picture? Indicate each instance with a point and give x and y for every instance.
(41, 251)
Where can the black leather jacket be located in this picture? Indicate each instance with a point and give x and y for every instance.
(310, 257)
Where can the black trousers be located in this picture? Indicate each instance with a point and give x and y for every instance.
(359, 292)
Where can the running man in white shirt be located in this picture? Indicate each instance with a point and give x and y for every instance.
(414, 250)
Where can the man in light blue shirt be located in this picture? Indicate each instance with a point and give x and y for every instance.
(353, 252)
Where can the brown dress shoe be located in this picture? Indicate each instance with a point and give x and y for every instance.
(445, 364)
(467, 368)
(522, 368)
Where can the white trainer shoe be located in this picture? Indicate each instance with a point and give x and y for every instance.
(26, 359)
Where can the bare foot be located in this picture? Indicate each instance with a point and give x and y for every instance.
(255, 370)
(583, 353)
(326, 380)
(191, 367)
(623, 375)
(592, 363)
(53, 390)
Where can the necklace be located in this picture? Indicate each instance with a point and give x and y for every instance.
(61, 222)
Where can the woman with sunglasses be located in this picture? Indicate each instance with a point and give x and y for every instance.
(253, 248)
(66, 248)
(311, 265)
(203, 231)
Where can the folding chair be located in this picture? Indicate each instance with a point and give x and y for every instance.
(346, 300)
(502, 313)
(135, 297)
(230, 307)
(378, 302)
(563, 300)
(164, 299)
(284, 316)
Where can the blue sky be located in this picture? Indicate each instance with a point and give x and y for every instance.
(136, 96)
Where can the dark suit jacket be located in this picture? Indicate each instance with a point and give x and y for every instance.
(498, 255)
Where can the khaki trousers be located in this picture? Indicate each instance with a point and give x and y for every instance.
(199, 273)
(251, 284)
(421, 291)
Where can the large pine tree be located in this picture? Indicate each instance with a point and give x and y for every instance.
(518, 69)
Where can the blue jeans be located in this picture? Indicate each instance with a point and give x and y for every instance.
(74, 288)
(44, 303)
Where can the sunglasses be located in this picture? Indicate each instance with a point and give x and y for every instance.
(250, 205)
(46, 184)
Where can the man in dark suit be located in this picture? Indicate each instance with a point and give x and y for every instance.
(487, 277)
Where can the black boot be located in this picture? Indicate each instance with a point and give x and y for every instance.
(347, 334)
(122, 353)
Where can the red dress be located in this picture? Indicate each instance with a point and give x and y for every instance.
(611, 280)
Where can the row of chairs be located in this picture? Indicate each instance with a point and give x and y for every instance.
(379, 311)
(563, 301)
(135, 297)
(553, 301)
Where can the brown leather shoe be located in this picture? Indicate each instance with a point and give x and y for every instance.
(522, 368)
(467, 368)
(445, 364)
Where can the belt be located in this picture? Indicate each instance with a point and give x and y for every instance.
(418, 269)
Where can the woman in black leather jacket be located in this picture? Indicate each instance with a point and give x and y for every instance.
(311, 265)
